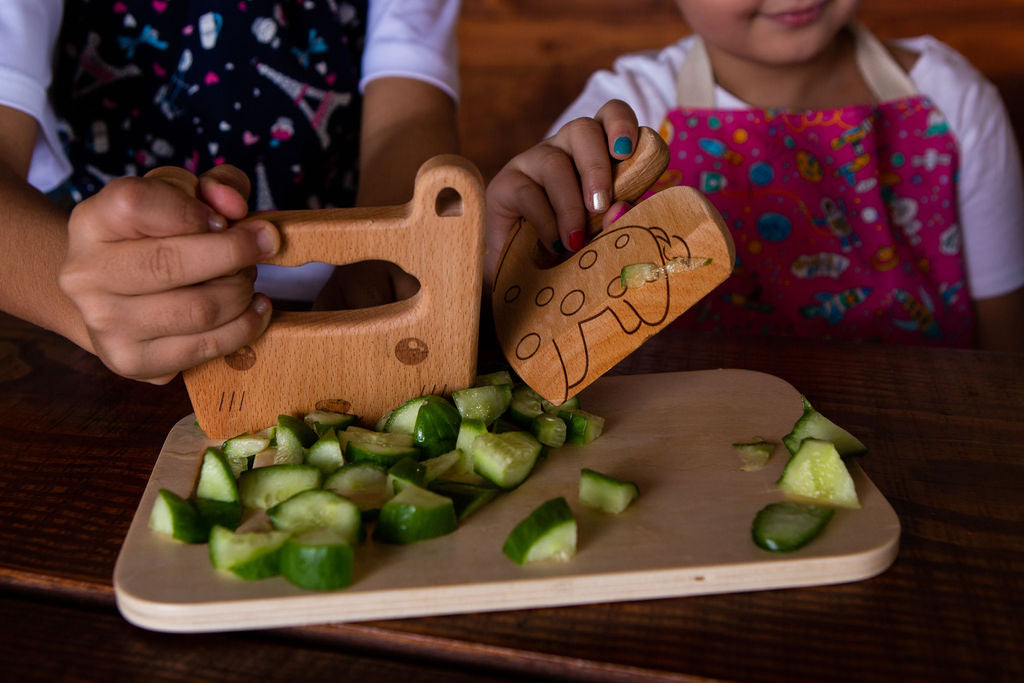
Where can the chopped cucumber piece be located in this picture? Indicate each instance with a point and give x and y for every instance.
(547, 533)
(364, 483)
(468, 431)
(754, 455)
(178, 518)
(216, 479)
(786, 526)
(381, 448)
(322, 420)
(639, 274)
(293, 437)
(239, 450)
(219, 512)
(507, 458)
(496, 377)
(402, 420)
(319, 508)
(816, 473)
(326, 453)
(549, 429)
(581, 427)
(606, 493)
(526, 405)
(814, 425)
(265, 487)
(318, 560)
(407, 472)
(250, 555)
(442, 464)
(485, 403)
(437, 426)
(466, 497)
(415, 514)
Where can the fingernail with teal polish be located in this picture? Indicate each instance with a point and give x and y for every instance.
(558, 246)
(623, 145)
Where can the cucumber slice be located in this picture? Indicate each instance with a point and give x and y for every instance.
(293, 437)
(178, 518)
(468, 431)
(816, 473)
(638, 274)
(402, 420)
(250, 555)
(506, 459)
(219, 513)
(467, 498)
(434, 468)
(415, 514)
(317, 560)
(216, 478)
(754, 455)
(380, 448)
(581, 427)
(437, 426)
(326, 453)
(549, 429)
(496, 377)
(786, 526)
(322, 420)
(319, 508)
(606, 493)
(364, 483)
(265, 487)
(814, 425)
(407, 472)
(547, 533)
(525, 406)
(239, 450)
(485, 403)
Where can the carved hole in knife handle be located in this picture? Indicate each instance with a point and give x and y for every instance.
(448, 203)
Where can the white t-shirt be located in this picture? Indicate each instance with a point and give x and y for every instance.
(990, 190)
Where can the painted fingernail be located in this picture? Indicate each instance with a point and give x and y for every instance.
(558, 247)
(576, 240)
(599, 201)
(623, 145)
(217, 223)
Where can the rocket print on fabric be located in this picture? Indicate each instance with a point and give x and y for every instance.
(921, 311)
(854, 137)
(835, 220)
(833, 307)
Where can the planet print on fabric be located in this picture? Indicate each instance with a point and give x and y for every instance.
(774, 227)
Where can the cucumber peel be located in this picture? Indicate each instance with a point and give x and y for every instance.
(547, 533)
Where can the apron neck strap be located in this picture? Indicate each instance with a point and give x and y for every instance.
(695, 84)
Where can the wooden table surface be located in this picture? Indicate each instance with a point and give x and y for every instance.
(946, 434)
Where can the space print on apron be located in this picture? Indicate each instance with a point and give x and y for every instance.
(270, 87)
(845, 220)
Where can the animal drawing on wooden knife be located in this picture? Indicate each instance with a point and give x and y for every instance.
(564, 326)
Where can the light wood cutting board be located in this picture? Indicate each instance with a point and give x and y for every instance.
(687, 534)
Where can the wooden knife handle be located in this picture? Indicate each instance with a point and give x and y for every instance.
(635, 175)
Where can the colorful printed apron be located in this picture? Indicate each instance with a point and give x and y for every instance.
(268, 87)
(845, 221)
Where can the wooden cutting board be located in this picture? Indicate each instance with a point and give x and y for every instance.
(687, 534)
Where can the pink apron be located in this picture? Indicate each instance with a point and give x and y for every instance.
(845, 221)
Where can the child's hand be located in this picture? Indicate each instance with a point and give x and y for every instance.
(554, 184)
(161, 281)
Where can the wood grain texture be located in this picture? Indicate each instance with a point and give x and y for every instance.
(688, 534)
(78, 446)
(524, 61)
(563, 327)
(374, 358)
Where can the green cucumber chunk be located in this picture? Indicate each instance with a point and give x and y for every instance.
(549, 429)
(814, 425)
(322, 420)
(547, 533)
(319, 508)
(468, 431)
(415, 514)
(239, 450)
(250, 555)
(581, 427)
(437, 426)
(816, 473)
(505, 459)
(467, 498)
(606, 493)
(496, 377)
(786, 526)
(407, 472)
(380, 448)
(318, 560)
(293, 437)
(219, 512)
(402, 420)
(484, 403)
(754, 455)
(364, 483)
(178, 518)
(434, 468)
(525, 406)
(326, 453)
(265, 487)
(216, 478)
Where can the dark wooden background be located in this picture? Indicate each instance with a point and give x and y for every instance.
(523, 61)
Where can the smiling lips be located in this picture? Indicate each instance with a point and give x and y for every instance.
(797, 17)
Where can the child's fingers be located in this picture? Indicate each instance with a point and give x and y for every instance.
(584, 141)
(615, 211)
(226, 188)
(159, 360)
(514, 194)
(621, 128)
